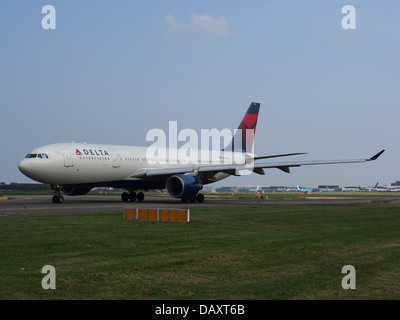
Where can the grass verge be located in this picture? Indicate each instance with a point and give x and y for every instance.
(257, 252)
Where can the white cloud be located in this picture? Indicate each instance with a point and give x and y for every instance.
(172, 22)
(216, 26)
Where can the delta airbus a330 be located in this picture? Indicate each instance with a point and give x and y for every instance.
(75, 168)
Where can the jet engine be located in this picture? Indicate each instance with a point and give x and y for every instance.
(183, 186)
(75, 190)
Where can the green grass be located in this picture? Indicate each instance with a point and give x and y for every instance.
(257, 252)
(297, 195)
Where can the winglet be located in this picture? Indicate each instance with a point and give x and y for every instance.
(376, 156)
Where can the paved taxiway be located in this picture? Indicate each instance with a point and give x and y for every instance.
(34, 204)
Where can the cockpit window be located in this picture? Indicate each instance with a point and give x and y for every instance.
(35, 155)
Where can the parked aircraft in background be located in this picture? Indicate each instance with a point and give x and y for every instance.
(376, 186)
(359, 189)
(303, 189)
(370, 188)
(386, 188)
(76, 168)
(258, 189)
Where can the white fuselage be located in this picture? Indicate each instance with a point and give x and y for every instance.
(81, 163)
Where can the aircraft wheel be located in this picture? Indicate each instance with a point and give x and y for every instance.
(140, 196)
(132, 196)
(200, 198)
(192, 199)
(124, 196)
(184, 200)
(58, 199)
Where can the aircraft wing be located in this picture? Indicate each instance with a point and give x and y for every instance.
(235, 169)
(284, 166)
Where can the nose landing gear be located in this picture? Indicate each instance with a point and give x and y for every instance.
(57, 198)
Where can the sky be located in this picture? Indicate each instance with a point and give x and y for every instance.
(111, 71)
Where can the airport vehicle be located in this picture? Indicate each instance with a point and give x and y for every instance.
(75, 168)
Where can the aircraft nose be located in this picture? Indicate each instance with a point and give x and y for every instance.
(24, 166)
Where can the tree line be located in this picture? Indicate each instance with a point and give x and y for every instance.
(13, 186)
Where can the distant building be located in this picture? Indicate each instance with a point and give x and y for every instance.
(226, 189)
(395, 184)
(351, 189)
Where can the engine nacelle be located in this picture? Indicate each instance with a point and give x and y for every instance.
(181, 185)
(75, 190)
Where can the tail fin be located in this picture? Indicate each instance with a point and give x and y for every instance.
(243, 139)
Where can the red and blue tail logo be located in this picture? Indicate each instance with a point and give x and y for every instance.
(243, 139)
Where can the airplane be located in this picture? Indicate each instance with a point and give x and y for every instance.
(385, 188)
(257, 189)
(75, 168)
(368, 189)
(376, 186)
(306, 190)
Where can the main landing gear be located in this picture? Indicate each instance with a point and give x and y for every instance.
(132, 196)
(57, 198)
(193, 198)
